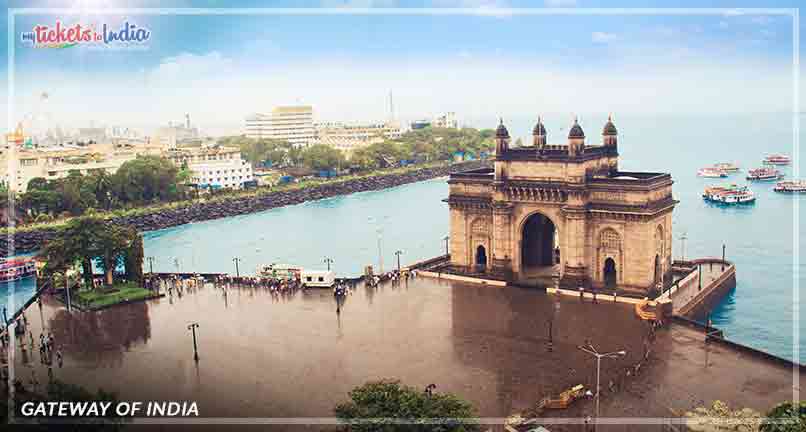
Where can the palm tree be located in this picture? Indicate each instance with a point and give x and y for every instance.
(101, 185)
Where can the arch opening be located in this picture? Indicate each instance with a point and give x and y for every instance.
(539, 243)
(610, 275)
(481, 259)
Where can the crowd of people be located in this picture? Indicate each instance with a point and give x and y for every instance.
(49, 352)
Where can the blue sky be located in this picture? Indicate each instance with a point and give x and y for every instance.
(221, 68)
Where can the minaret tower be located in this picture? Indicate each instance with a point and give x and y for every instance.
(610, 134)
(576, 140)
(539, 136)
(501, 147)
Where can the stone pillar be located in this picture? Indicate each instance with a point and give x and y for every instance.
(502, 243)
(575, 270)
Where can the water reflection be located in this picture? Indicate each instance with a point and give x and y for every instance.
(100, 338)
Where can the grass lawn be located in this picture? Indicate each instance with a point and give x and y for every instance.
(118, 293)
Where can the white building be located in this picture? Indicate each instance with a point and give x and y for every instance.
(348, 137)
(445, 120)
(289, 123)
(230, 173)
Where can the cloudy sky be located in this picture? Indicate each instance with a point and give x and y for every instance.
(482, 61)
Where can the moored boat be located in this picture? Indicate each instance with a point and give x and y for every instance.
(16, 269)
(727, 167)
(711, 172)
(791, 186)
(764, 174)
(732, 194)
(777, 159)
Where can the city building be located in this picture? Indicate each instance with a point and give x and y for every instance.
(176, 135)
(547, 212)
(289, 123)
(446, 120)
(215, 166)
(349, 137)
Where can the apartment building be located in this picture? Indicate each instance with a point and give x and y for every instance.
(290, 123)
(348, 137)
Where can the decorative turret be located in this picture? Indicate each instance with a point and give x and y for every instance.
(610, 134)
(501, 139)
(539, 135)
(576, 139)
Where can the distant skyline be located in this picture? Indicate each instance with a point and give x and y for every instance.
(486, 63)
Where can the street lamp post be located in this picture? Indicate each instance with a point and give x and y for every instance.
(683, 239)
(236, 260)
(192, 327)
(398, 253)
(599, 356)
(328, 261)
(446, 238)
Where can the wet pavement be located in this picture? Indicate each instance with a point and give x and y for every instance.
(272, 356)
(268, 355)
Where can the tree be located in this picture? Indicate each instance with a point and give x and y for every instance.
(133, 259)
(112, 245)
(38, 183)
(100, 184)
(321, 157)
(40, 201)
(388, 399)
(786, 417)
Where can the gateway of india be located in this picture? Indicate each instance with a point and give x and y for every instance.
(548, 213)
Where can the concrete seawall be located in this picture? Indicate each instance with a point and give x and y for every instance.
(703, 288)
(198, 211)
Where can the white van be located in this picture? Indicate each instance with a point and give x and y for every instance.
(318, 278)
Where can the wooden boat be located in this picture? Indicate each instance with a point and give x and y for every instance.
(764, 174)
(791, 186)
(16, 269)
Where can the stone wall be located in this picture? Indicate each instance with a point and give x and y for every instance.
(29, 241)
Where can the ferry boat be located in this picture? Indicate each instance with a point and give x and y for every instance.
(280, 271)
(793, 186)
(777, 159)
(711, 172)
(727, 167)
(764, 174)
(732, 194)
(16, 269)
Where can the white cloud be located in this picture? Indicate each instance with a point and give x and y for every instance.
(603, 37)
(560, 3)
(187, 68)
(465, 54)
(723, 24)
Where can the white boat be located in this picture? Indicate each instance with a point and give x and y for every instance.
(711, 172)
(729, 195)
(727, 167)
(792, 186)
(318, 278)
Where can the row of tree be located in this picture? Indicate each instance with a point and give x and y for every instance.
(144, 180)
(89, 240)
(429, 144)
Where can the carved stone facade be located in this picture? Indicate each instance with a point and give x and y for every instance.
(563, 211)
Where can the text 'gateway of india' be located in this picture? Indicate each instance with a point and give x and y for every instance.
(562, 211)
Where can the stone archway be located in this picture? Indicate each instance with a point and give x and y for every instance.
(539, 242)
(610, 273)
(481, 259)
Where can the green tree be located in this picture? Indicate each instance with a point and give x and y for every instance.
(785, 417)
(133, 259)
(101, 185)
(38, 183)
(40, 201)
(388, 399)
(146, 179)
(322, 157)
(112, 245)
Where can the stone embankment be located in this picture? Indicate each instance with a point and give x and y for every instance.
(27, 241)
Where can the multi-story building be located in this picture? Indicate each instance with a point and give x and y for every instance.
(216, 166)
(446, 120)
(348, 137)
(289, 123)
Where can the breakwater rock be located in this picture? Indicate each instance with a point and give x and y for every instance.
(197, 211)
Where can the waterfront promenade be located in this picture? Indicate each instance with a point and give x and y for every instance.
(264, 355)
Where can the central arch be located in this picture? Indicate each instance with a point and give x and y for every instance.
(481, 259)
(610, 276)
(539, 243)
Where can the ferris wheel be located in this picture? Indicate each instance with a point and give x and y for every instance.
(40, 124)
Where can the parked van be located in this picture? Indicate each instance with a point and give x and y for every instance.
(318, 278)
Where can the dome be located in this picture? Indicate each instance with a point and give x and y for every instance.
(609, 128)
(502, 131)
(576, 131)
(539, 128)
